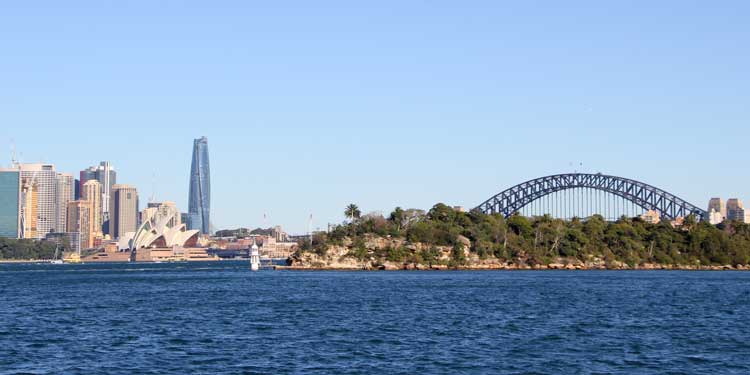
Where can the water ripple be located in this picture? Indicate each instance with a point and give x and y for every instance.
(222, 319)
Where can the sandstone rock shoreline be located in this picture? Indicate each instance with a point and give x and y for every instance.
(343, 257)
(515, 267)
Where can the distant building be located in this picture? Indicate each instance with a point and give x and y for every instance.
(651, 217)
(677, 222)
(279, 234)
(80, 220)
(85, 175)
(163, 209)
(736, 211)
(10, 203)
(715, 218)
(273, 249)
(169, 211)
(65, 191)
(92, 193)
(123, 210)
(77, 189)
(199, 200)
(107, 177)
(717, 204)
(38, 200)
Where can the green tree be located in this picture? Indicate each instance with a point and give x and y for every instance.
(521, 226)
(458, 258)
(398, 216)
(441, 212)
(352, 212)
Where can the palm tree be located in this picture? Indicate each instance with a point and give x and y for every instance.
(352, 212)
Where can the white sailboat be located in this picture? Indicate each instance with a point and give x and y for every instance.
(56, 259)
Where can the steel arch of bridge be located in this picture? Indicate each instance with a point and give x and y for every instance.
(645, 196)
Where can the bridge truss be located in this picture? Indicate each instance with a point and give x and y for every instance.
(537, 193)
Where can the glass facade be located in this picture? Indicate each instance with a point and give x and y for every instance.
(199, 201)
(10, 185)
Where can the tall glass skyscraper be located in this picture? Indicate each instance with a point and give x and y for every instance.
(10, 198)
(199, 201)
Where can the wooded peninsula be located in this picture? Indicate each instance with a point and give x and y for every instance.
(448, 238)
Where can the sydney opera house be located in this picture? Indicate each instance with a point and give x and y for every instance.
(160, 227)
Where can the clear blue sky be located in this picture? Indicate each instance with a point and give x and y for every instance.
(309, 106)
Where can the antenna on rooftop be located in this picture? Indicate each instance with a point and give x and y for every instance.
(13, 160)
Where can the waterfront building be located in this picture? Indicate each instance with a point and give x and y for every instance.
(199, 200)
(107, 176)
(80, 215)
(271, 248)
(38, 199)
(124, 210)
(651, 217)
(160, 229)
(10, 203)
(65, 191)
(92, 192)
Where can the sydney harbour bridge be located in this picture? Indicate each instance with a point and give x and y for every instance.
(584, 194)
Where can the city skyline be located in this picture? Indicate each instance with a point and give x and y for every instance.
(312, 108)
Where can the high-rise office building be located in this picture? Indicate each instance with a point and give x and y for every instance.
(107, 177)
(86, 175)
(123, 210)
(65, 191)
(79, 221)
(38, 200)
(717, 211)
(10, 203)
(199, 201)
(717, 204)
(92, 193)
(736, 211)
(77, 189)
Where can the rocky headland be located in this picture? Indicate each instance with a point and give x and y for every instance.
(346, 257)
(450, 238)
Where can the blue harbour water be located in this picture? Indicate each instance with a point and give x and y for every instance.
(220, 318)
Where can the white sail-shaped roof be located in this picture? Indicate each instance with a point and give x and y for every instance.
(159, 230)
